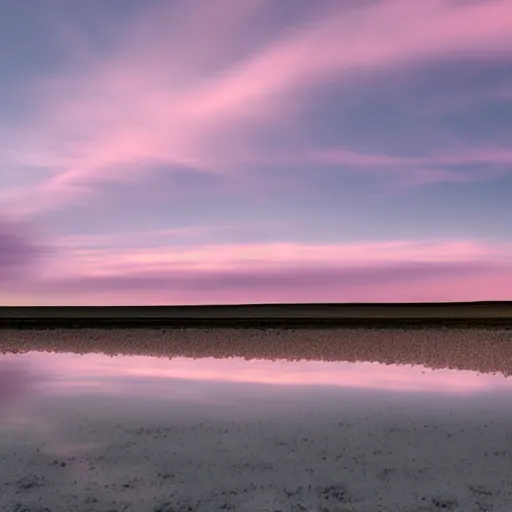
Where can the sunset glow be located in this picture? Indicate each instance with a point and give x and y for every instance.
(191, 152)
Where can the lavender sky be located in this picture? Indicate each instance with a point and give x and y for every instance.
(239, 151)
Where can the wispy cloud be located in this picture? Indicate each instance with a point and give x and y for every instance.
(340, 156)
(404, 282)
(413, 171)
(292, 272)
(168, 88)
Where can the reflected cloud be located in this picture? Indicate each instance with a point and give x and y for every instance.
(146, 377)
(331, 357)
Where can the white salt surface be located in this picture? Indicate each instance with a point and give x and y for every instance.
(307, 456)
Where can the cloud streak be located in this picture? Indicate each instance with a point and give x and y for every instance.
(382, 283)
(399, 270)
(413, 171)
(148, 96)
(269, 280)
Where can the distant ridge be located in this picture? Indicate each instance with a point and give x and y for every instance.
(286, 315)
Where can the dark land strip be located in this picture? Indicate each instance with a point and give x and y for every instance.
(255, 323)
(263, 316)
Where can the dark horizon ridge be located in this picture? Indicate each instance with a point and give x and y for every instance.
(264, 316)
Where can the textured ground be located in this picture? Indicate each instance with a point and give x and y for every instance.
(331, 464)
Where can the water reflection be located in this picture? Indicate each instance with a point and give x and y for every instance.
(135, 432)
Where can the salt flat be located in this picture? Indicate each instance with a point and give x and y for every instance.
(366, 461)
(110, 441)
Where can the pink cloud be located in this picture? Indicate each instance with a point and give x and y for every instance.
(199, 257)
(385, 271)
(473, 285)
(414, 171)
(148, 96)
(341, 156)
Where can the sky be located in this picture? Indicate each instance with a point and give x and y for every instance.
(255, 151)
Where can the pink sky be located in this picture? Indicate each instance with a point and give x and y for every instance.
(189, 152)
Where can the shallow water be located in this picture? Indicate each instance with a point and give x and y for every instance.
(96, 432)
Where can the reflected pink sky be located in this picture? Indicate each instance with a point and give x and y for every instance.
(75, 374)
